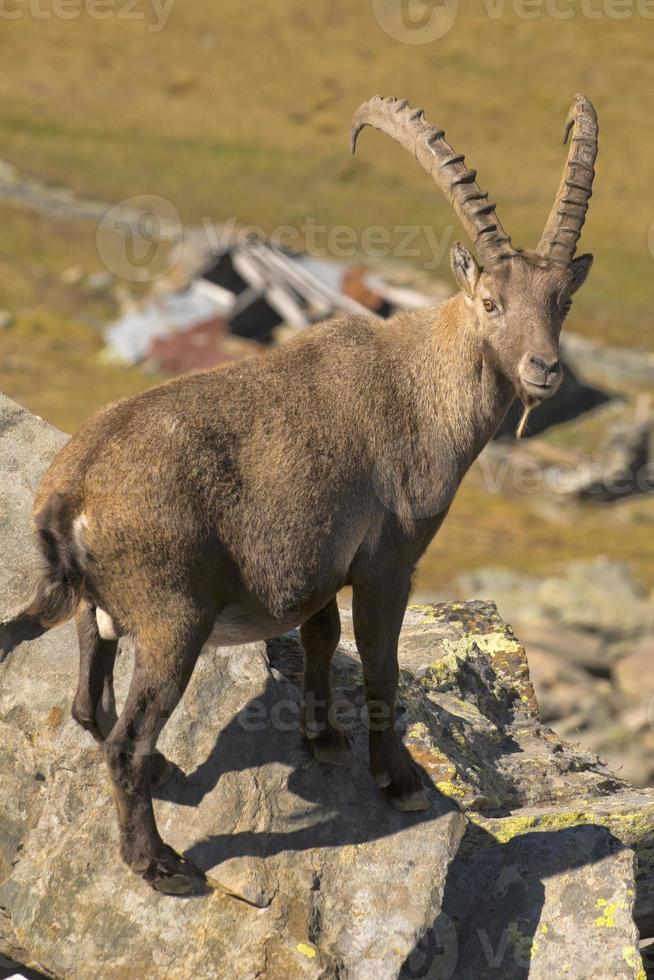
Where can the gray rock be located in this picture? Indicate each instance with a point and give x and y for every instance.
(573, 648)
(27, 446)
(561, 685)
(627, 816)
(600, 597)
(634, 673)
(612, 364)
(512, 592)
(543, 905)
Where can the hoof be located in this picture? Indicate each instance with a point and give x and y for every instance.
(332, 749)
(174, 875)
(396, 773)
(415, 801)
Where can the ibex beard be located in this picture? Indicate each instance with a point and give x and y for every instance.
(238, 502)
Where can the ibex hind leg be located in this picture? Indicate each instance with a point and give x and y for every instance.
(162, 669)
(94, 706)
(320, 635)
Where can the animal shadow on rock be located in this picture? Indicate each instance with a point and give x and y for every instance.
(510, 907)
(346, 808)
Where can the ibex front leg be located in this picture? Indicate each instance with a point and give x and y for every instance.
(378, 609)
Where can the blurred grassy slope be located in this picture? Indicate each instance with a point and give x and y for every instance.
(487, 529)
(243, 110)
(49, 353)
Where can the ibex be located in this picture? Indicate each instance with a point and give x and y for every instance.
(236, 503)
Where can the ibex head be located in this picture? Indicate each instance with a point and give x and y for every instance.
(518, 299)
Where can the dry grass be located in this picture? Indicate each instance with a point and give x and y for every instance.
(485, 529)
(244, 110)
(50, 355)
(52, 366)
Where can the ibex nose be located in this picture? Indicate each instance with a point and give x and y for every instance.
(540, 375)
(547, 367)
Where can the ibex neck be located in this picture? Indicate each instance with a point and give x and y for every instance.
(468, 397)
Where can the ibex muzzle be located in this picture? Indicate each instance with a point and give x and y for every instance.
(237, 502)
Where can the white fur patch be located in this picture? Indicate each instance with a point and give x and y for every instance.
(106, 625)
(80, 525)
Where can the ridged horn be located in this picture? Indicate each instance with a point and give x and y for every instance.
(559, 239)
(408, 126)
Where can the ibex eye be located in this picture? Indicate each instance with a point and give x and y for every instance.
(489, 305)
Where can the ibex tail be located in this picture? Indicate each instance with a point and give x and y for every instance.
(59, 589)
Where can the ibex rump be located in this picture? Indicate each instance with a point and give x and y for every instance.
(241, 500)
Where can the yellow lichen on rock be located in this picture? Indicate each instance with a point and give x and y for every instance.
(607, 919)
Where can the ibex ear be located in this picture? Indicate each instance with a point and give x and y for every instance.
(465, 268)
(579, 269)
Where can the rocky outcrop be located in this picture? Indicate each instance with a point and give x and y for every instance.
(532, 860)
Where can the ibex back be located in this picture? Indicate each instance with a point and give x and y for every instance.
(239, 501)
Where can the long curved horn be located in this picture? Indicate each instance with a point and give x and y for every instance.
(559, 239)
(409, 127)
